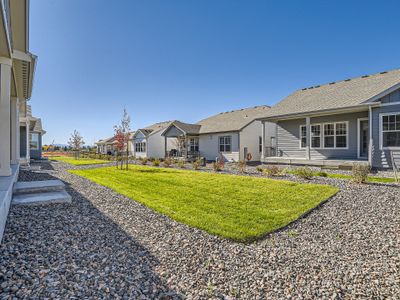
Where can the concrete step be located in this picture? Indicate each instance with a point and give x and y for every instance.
(29, 187)
(42, 198)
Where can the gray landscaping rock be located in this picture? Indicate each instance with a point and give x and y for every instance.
(105, 245)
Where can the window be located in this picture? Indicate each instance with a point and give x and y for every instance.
(140, 147)
(225, 144)
(315, 136)
(390, 130)
(341, 135)
(260, 144)
(329, 135)
(34, 141)
(194, 145)
(303, 136)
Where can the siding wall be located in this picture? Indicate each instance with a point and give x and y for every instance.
(380, 158)
(289, 137)
(209, 146)
(250, 138)
(22, 141)
(156, 145)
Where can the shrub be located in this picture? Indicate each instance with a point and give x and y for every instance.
(360, 173)
(167, 162)
(216, 166)
(151, 159)
(322, 174)
(143, 161)
(304, 172)
(273, 171)
(259, 169)
(196, 164)
(156, 162)
(241, 165)
(181, 164)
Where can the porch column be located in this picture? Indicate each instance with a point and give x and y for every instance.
(15, 130)
(28, 146)
(165, 146)
(5, 120)
(262, 141)
(308, 138)
(371, 140)
(186, 147)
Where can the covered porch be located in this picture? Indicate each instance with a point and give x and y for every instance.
(185, 142)
(336, 139)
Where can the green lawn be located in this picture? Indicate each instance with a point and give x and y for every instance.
(80, 161)
(236, 207)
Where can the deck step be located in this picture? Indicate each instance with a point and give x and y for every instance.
(42, 198)
(29, 187)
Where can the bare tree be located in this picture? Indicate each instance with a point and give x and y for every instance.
(76, 142)
(122, 135)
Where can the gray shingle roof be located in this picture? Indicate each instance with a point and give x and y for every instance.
(186, 127)
(335, 95)
(155, 127)
(232, 120)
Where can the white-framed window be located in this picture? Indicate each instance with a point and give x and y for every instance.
(341, 138)
(334, 135)
(389, 131)
(140, 147)
(225, 143)
(329, 135)
(303, 136)
(315, 136)
(194, 145)
(34, 141)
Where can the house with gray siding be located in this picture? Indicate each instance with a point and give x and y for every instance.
(234, 135)
(339, 123)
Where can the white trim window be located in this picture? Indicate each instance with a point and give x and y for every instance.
(194, 145)
(225, 143)
(140, 147)
(316, 136)
(34, 141)
(329, 135)
(303, 136)
(341, 138)
(390, 131)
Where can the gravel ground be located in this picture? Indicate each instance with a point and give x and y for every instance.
(105, 245)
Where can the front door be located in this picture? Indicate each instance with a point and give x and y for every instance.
(363, 141)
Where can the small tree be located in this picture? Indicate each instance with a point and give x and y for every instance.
(122, 136)
(76, 142)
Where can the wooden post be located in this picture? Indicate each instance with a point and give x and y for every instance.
(308, 137)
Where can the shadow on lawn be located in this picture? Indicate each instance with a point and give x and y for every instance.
(74, 250)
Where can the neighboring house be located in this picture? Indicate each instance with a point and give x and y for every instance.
(31, 133)
(107, 146)
(148, 141)
(17, 67)
(340, 122)
(234, 135)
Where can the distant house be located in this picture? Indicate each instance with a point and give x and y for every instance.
(234, 135)
(107, 146)
(353, 120)
(31, 133)
(148, 142)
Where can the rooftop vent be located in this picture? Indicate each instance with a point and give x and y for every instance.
(304, 89)
(384, 72)
(365, 76)
(333, 82)
(348, 79)
(317, 86)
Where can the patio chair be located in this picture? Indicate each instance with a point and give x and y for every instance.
(395, 163)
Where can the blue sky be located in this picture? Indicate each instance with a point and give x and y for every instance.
(186, 60)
